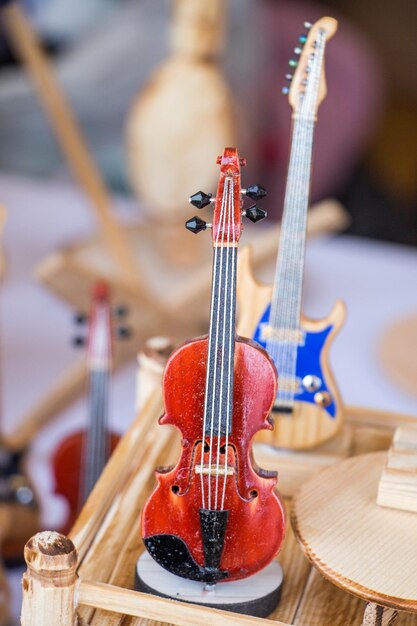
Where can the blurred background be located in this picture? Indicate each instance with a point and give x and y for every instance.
(366, 140)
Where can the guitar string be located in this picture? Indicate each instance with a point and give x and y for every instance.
(211, 373)
(285, 351)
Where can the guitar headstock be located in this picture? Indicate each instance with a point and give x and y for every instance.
(101, 327)
(227, 215)
(308, 84)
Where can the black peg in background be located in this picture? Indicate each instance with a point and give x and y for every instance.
(80, 318)
(255, 213)
(123, 332)
(195, 224)
(78, 341)
(200, 199)
(121, 311)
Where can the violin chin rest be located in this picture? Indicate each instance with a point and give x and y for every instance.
(172, 553)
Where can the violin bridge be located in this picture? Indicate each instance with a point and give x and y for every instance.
(213, 470)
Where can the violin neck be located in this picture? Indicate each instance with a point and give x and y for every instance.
(221, 345)
(97, 443)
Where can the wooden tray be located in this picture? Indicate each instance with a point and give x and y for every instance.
(106, 536)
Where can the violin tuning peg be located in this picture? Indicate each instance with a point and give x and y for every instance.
(256, 192)
(307, 25)
(123, 332)
(121, 311)
(255, 213)
(196, 225)
(200, 199)
(80, 318)
(78, 341)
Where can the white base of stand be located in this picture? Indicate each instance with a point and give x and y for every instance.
(257, 595)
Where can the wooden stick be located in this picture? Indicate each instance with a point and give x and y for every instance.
(375, 418)
(111, 598)
(69, 136)
(49, 583)
(376, 615)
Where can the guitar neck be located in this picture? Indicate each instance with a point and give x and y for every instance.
(97, 437)
(288, 283)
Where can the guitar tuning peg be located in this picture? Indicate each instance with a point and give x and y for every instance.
(256, 192)
(196, 225)
(288, 77)
(200, 199)
(121, 311)
(297, 50)
(78, 342)
(285, 90)
(302, 39)
(123, 332)
(293, 62)
(307, 25)
(255, 213)
(80, 318)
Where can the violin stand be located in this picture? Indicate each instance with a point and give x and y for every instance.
(361, 547)
(257, 595)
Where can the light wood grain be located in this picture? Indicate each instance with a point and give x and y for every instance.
(397, 487)
(49, 582)
(359, 546)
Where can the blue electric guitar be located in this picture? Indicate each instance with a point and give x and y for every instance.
(308, 408)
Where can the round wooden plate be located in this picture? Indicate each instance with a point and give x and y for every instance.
(363, 548)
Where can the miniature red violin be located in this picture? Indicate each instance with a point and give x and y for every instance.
(81, 457)
(215, 515)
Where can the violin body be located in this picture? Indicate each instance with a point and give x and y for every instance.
(255, 514)
(68, 466)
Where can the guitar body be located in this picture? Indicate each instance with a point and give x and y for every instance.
(254, 509)
(310, 423)
(68, 462)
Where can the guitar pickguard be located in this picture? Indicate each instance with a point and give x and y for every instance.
(308, 363)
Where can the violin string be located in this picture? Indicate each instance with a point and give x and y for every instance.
(226, 298)
(212, 375)
(230, 373)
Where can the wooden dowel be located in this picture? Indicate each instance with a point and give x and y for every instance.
(111, 598)
(49, 583)
(59, 113)
(376, 615)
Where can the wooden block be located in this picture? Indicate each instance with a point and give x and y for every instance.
(398, 484)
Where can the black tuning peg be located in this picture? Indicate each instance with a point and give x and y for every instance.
(80, 318)
(123, 332)
(200, 199)
(255, 213)
(78, 341)
(256, 192)
(195, 224)
(121, 311)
